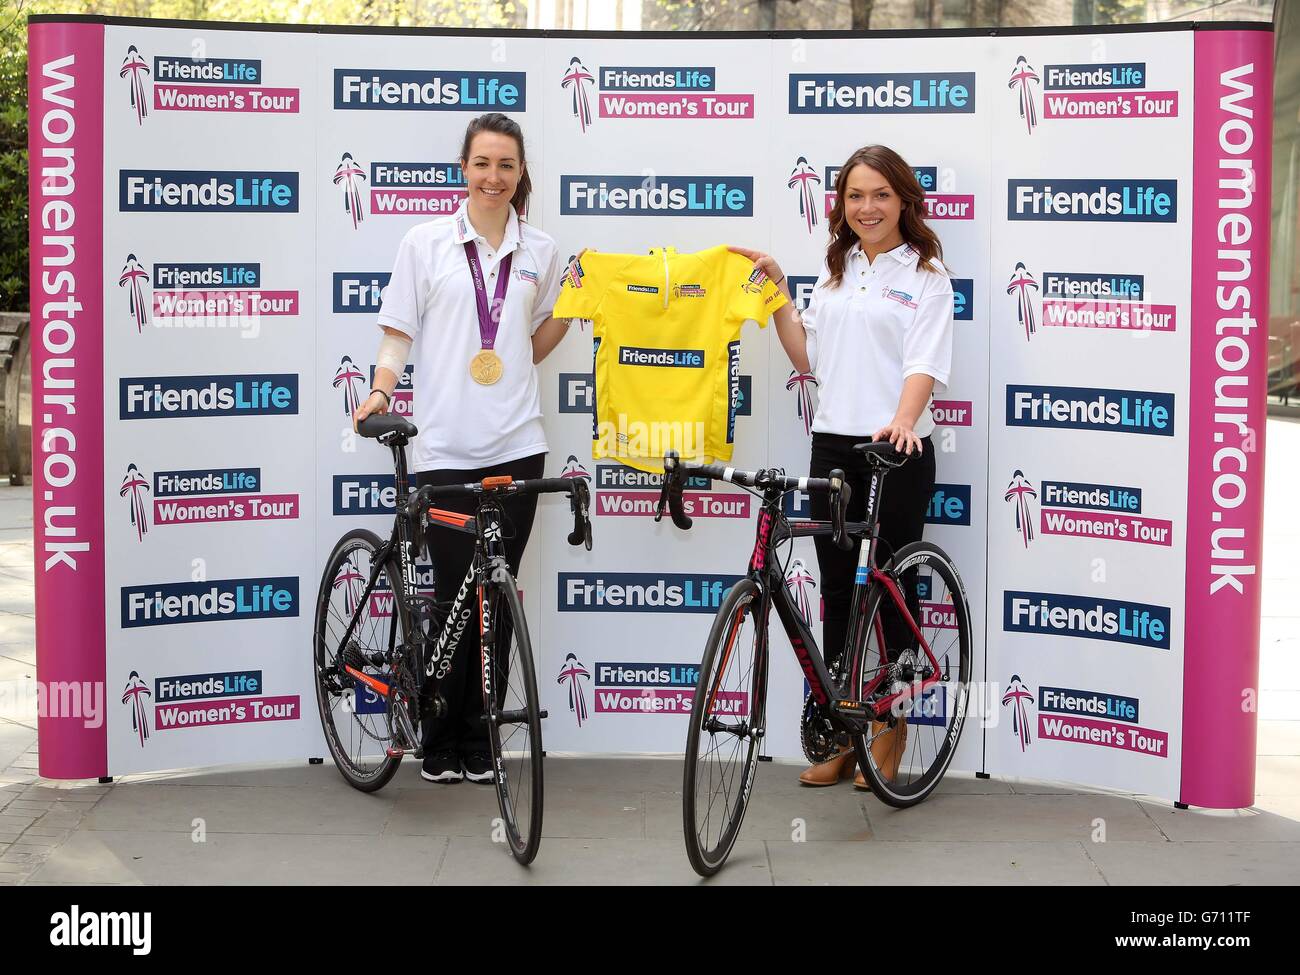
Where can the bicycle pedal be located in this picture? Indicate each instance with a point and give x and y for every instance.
(543, 713)
(851, 710)
(395, 752)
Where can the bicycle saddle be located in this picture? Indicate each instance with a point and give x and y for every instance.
(380, 425)
(881, 452)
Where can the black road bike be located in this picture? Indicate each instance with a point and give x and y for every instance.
(382, 643)
(915, 694)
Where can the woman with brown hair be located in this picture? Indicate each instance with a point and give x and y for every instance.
(877, 334)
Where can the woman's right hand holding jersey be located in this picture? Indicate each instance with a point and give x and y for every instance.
(789, 327)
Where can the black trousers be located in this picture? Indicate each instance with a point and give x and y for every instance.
(461, 728)
(901, 513)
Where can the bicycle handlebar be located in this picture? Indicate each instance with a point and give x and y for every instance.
(676, 471)
(575, 487)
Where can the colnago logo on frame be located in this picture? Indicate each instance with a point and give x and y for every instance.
(358, 292)
(206, 191)
(658, 688)
(1086, 299)
(649, 196)
(176, 397)
(940, 203)
(203, 496)
(1096, 200)
(190, 84)
(650, 93)
(641, 592)
(165, 603)
(437, 90)
(203, 700)
(898, 93)
(398, 188)
(1084, 510)
(1112, 90)
(1086, 617)
(1085, 408)
(200, 295)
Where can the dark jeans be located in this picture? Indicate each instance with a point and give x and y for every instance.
(461, 729)
(901, 513)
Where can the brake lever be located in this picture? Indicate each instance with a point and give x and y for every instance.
(579, 503)
(840, 491)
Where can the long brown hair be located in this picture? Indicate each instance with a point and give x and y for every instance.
(911, 222)
(503, 125)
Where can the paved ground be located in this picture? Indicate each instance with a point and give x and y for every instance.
(619, 820)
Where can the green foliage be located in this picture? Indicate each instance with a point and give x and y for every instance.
(13, 158)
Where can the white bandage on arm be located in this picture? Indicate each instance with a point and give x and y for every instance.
(393, 352)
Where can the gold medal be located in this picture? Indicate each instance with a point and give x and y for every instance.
(485, 368)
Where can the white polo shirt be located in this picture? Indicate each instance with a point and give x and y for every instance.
(885, 321)
(430, 297)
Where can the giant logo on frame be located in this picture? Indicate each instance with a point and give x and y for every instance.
(649, 93)
(190, 84)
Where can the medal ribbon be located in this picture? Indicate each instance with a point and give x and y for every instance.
(487, 322)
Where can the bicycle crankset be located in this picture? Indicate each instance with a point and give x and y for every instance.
(821, 742)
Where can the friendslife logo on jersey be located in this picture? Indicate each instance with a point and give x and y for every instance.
(650, 93)
(1096, 200)
(206, 191)
(1085, 408)
(445, 90)
(174, 397)
(201, 295)
(1086, 299)
(629, 355)
(161, 604)
(189, 84)
(1086, 617)
(898, 93)
(641, 592)
(1107, 511)
(1111, 90)
(648, 196)
(208, 495)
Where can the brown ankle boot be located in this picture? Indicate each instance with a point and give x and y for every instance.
(887, 750)
(829, 772)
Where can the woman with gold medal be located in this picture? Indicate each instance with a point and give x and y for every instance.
(469, 304)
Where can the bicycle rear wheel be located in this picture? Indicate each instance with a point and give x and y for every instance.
(514, 720)
(727, 725)
(355, 718)
(904, 760)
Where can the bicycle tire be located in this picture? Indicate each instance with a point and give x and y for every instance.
(518, 765)
(890, 789)
(725, 639)
(331, 695)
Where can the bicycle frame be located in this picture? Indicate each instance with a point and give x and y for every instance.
(771, 532)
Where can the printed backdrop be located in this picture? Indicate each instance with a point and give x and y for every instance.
(255, 184)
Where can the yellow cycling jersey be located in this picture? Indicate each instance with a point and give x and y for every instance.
(666, 348)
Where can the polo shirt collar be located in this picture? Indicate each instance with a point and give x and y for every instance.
(904, 254)
(465, 229)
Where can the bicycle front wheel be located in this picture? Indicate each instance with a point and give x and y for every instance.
(726, 729)
(353, 716)
(905, 757)
(514, 720)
